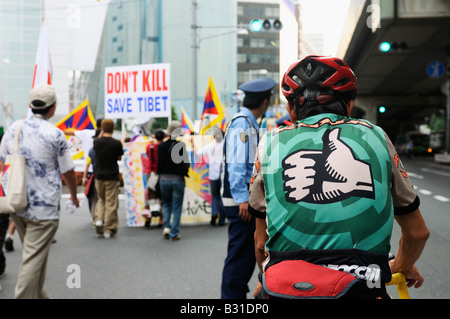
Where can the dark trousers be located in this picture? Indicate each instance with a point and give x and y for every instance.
(216, 201)
(4, 223)
(240, 262)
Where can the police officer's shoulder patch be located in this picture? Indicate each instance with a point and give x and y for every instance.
(244, 137)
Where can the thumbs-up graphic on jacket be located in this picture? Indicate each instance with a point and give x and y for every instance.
(328, 175)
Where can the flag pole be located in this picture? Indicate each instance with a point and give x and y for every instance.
(42, 11)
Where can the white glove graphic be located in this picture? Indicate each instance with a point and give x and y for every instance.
(325, 176)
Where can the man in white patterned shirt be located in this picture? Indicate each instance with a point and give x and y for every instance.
(47, 158)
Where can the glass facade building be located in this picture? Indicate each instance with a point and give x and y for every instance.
(258, 52)
(20, 22)
(156, 31)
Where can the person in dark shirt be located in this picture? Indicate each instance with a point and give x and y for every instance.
(173, 166)
(108, 151)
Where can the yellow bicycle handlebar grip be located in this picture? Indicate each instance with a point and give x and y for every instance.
(399, 280)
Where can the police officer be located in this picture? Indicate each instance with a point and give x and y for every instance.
(240, 143)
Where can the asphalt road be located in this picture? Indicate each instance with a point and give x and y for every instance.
(137, 263)
(140, 264)
(432, 183)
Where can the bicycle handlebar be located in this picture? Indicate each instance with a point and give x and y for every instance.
(399, 280)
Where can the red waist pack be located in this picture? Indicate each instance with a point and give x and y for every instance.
(298, 279)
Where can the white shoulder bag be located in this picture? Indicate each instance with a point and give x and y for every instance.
(13, 190)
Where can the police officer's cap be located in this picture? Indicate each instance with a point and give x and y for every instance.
(258, 86)
(257, 90)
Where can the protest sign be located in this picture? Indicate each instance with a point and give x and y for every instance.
(137, 90)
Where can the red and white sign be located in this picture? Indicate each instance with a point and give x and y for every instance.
(137, 90)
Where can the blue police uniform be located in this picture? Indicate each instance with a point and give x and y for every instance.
(240, 144)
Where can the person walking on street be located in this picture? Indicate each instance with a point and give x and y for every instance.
(240, 142)
(173, 167)
(108, 151)
(47, 158)
(153, 207)
(214, 153)
(88, 180)
(4, 223)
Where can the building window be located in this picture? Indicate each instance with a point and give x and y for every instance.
(120, 49)
(120, 27)
(241, 58)
(272, 12)
(114, 39)
(114, 60)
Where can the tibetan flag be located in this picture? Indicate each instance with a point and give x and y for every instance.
(42, 67)
(186, 122)
(213, 114)
(223, 125)
(79, 119)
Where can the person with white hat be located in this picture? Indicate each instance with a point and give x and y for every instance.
(47, 158)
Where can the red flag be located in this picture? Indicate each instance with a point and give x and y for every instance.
(42, 67)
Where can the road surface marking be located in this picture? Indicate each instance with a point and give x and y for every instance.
(433, 171)
(410, 174)
(425, 192)
(441, 198)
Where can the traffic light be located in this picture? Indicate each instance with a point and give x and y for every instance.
(385, 46)
(256, 25)
(392, 46)
(266, 25)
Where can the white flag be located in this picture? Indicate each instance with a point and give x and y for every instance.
(42, 67)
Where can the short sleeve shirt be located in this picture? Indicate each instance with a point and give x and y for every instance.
(108, 151)
(47, 156)
(241, 141)
(329, 182)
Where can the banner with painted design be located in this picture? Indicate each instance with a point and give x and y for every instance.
(135, 181)
(197, 196)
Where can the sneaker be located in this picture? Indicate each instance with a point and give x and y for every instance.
(166, 232)
(213, 220)
(9, 244)
(175, 238)
(99, 227)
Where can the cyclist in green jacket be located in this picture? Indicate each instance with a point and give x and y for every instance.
(327, 189)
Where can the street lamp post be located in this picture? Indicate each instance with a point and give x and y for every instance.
(194, 58)
(195, 45)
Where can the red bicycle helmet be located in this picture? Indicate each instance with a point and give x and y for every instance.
(319, 72)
